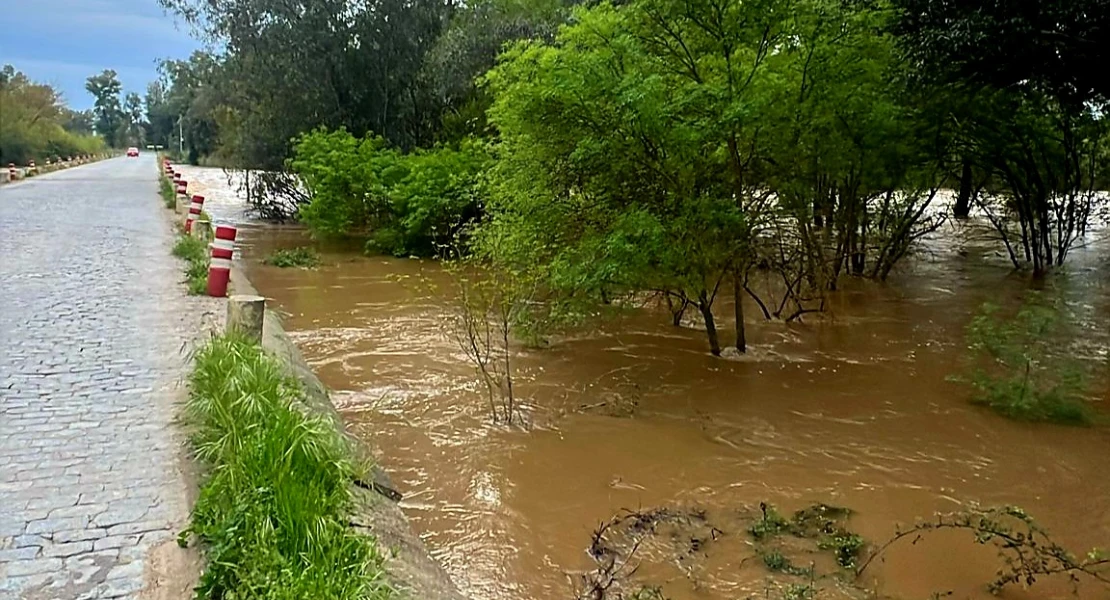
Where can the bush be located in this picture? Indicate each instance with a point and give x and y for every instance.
(272, 511)
(409, 203)
(295, 257)
(1018, 369)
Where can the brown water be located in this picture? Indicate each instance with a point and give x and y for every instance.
(853, 409)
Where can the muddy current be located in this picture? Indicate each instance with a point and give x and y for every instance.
(853, 409)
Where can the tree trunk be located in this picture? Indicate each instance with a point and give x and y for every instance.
(963, 201)
(710, 326)
(737, 294)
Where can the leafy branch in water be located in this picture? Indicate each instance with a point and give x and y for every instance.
(302, 257)
(1025, 548)
(1016, 367)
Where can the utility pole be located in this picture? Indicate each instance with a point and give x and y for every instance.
(180, 137)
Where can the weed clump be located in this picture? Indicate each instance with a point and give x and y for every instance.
(770, 524)
(305, 258)
(820, 522)
(195, 254)
(272, 511)
(169, 197)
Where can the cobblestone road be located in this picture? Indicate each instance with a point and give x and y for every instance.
(91, 327)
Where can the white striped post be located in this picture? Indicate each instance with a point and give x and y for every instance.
(219, 269)
(32, 167)
(182, 189)
(11, 171)
(194, 213)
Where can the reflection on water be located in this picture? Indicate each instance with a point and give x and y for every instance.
(853, 410)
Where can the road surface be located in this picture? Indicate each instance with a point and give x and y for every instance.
(92, 320)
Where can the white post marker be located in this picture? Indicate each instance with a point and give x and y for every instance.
(194, 213)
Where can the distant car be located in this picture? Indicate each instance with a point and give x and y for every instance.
(132, 152)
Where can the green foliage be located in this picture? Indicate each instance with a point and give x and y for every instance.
(413, 203)
(272, 511)
(302, 257)
(799, 591)
(34, 122)
(656, 146)
(194, 252)
(846, 547)
(1018, 367)
(770, 524)
(169, 195)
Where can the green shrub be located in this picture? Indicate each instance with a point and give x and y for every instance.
(409, 203)
(304, 258)
(1018, 366)
(272, 511)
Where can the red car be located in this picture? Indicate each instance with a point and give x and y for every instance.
(132, 152)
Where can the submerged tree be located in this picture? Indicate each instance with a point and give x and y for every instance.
(1029, 106)
(675, 147)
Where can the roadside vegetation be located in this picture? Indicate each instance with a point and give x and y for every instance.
(194, 251)
(35, 123)
(272, 515)
(165, 188)
(301, 257)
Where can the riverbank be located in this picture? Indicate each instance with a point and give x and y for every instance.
(409, 566)
(853, 409)
(389, 548)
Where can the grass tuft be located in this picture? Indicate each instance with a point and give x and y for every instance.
(272, 512)
(169, 196)
(195, 253)
(302, 257)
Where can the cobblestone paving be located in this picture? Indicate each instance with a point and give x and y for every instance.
(91, 329)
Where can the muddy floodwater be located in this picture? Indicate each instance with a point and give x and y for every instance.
(852, 409)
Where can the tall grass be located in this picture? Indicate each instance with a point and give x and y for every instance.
(195, 253)
(272, 510)
(169, 195)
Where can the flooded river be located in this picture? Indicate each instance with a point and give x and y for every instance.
(853, 409)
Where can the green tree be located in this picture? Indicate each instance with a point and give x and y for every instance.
(675, 147)
(1022, 83)
(105, 89)
(36, 125)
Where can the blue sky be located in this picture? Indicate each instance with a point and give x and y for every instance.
(63, 42)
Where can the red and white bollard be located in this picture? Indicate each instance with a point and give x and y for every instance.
(11, 171)
(194, 213)
(219, 269)
(32, 166)
(182, 190)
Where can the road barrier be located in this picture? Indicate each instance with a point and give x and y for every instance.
(194, 213)
(32, 168)
(11, 172)
(219, 269)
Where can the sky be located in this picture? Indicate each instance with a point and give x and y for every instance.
(63, 42)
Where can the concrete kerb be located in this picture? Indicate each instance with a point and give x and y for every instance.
(410, 567)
